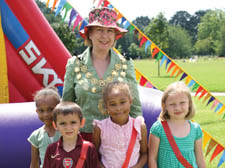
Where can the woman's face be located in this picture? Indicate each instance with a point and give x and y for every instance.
(102, 38)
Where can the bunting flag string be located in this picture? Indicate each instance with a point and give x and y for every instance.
(156, 50)
(213, 146)
(143, 81)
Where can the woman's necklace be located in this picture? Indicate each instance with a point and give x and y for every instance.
(82, 72)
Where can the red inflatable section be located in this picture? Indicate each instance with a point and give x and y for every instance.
(39, 30)
(22, 82)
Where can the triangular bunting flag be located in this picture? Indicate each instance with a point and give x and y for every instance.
(138, 75)
(170, 67)
(162, 60)
(167, 62)
(206, 97)
(60, 6)
(217, 151)
(72, 16)
(122, 20)
(160, 54)
(155, 51)
(67, 7)
(219, 106)
(183, 76)
(47, 3)
(119, 16)
(206, 139)
(192, 82)
(148, 85)
(143, 40)
(196, 85)
(131, 29)
(146, 45)
(174, 70)
(202, 94)
(106, 3)
(214, 103)
(143, 81)
(187, 80)
(178, 73)
(222, 159)
(77, 21)
(198, 91)
(84, 23)
(54, 4)
(221, 110)
(212, 143)
(210, 100)
(127, 24)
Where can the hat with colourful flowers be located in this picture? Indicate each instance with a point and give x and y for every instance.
(104, 17)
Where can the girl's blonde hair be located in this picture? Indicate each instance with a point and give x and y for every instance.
(176, 87)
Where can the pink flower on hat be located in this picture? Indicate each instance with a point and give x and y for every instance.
(103, 17)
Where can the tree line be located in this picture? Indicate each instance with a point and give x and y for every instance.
(183, 36)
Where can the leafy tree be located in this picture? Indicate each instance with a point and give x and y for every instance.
(179, 43)
(220, 50)
(210, 29)
(141, 22)
(193, 24)
(67, 36)
(157, 30)
(181, 18)
(49, 15)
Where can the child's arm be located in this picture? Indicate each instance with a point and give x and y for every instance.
(153, 147)
(34, 157)
(96, 138)
(144, 149)
(199, 154)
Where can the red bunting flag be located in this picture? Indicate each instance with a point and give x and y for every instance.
(202, 94)
(155, 51)
(143, 81)
(170, 67)
(217, 151)
(143, 40)
(199, 90)
(106, 3)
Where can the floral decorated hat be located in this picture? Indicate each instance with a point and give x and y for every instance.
(103, 17)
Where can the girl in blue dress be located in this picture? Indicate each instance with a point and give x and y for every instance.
(177, 110)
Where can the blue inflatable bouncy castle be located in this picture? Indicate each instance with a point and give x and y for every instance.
(18, 120)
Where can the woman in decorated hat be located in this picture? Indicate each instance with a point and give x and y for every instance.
(99, 64)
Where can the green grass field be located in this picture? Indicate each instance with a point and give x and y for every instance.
(210, 73)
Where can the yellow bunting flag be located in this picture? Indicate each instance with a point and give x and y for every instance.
(206, 139)
(188, 79)
(138, 75)
(221, 110)
(47, 3)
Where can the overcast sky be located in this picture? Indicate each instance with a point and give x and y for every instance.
(134, 8)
